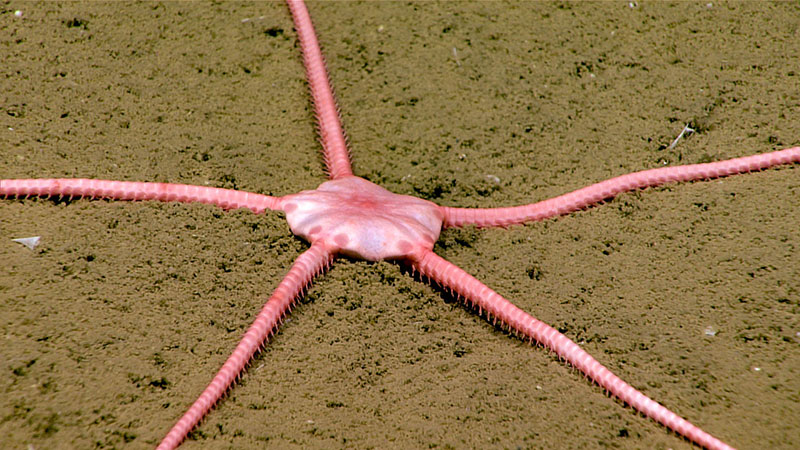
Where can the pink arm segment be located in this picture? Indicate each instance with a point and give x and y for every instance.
(308, 265)
(496, 307)
(334, 147)
(131, 190)
(590, 195)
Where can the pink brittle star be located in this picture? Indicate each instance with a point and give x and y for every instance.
(351, 216)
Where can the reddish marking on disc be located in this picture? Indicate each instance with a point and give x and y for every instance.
(315, 230)
(289, 207)
(404, 246)
(341, 240)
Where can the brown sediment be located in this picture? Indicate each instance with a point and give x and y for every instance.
(123, 313)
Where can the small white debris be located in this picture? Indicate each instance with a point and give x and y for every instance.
(455, 56)
(309, 421)
(632, 5)
(17, 13)
(685, 130)
(381, 28)
(757, 369)
(538, 388)
(493, 178)
(30, 242)
(709, 5)
(250, 19)
(710, 331)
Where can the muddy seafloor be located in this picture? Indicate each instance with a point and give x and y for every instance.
(123, 313)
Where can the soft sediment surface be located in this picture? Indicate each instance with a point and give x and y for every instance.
(124, 311)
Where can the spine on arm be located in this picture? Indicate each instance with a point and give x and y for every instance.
(334, 147)
(133, 190)
(590, 195)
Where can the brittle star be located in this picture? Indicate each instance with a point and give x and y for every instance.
(406, 231)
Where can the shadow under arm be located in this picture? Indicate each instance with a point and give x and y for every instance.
(591, 195)
(485, 300)
(134, 190)
(334, 146)
(309, 264)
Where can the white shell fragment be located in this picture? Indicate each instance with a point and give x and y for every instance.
(30, 242)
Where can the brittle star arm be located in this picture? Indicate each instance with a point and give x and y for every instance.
(309, 264)
(334, 145)
(485, 300)
(133, 190)
(591, 195)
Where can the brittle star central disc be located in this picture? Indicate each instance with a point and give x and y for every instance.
(363, 220)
